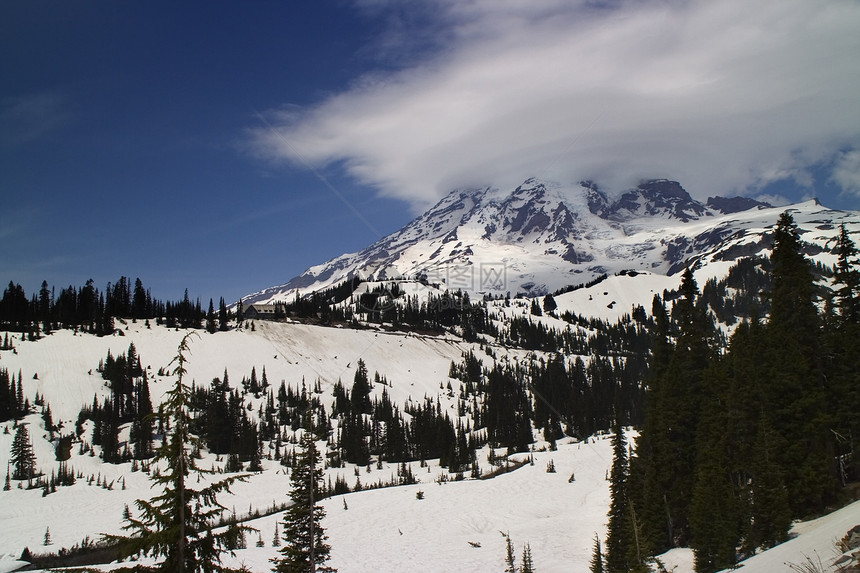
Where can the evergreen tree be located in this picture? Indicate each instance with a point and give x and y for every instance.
(619, 535)
(682, 405)
(305, 549)
(44, 308)
(664, 474)
(21, 455)
(276, 537)
(139, 301)
(510, 556)
(360, 395)
(596, 564)
(528, 564)
(652, 450)
(769, 512)
(211, 326)
(143, 425)
(177, 524)
(842, 342)
(797, 388)
(847, 278)
(223, 316)
(7, 394)
(714, 519)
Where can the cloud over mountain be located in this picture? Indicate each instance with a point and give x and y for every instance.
(724, 96)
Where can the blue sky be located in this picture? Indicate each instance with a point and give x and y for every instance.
(225, 147)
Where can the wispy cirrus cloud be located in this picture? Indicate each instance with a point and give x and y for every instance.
(27, 118)
(723, 96)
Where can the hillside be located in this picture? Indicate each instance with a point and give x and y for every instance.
(65, 365)
(387, 529)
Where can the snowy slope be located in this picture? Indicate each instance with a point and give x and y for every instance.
(391, 530)
(66, 363)
(379, 530)
(811, 542)
(62, 368)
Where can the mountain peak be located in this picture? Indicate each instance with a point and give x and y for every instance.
(541, 236)
(654, 198)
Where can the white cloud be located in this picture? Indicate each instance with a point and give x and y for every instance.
(722, 96)
(846, 171)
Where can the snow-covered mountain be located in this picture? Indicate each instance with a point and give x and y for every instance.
(542, 236)
(538, 238)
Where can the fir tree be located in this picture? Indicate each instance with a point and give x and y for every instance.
(842, 341)
(7, 394)
(528, 564)
(769, 512)
(223, 316)
(797, 386)
(664, 472)
(619, 539)
(549, 304)
(305, 549)
(177, 524)
(143, 424)
(139, 301)
(360, 395)
(211, 326)
(510, 556)
(847, 278)
(276, 537)
(596, 564)
(714, 519)
(21, 455)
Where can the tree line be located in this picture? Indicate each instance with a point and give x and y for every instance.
(92, 310)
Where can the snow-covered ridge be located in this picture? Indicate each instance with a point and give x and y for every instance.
(541, 237)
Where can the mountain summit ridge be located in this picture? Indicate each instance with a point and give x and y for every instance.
(543, 236)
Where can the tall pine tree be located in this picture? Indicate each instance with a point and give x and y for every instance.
(846, 278)
(305, 549)
(596, 563)
(623, 549)
(798, 388)
(664, 468)
(177, 525)
(21, 455)
(842, 343)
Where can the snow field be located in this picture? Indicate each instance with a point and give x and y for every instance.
(382, 530)
(391, 530)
